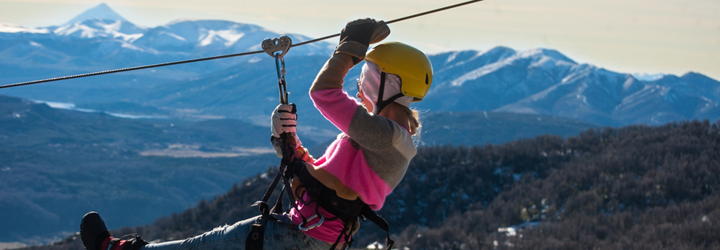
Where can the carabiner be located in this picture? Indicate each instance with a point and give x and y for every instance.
(322, 219)
(282, 85)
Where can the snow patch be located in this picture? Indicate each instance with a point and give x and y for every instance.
(85, 31)
(513, 230)
(173, 36)
(509, 231)
(110, 27)
(583, 97)
(71, 106)
(34, 44)
(452, 57)
(530, 53)
(648, 77)
(132, 47)
(132, 37)
(126, 116)
(230, 37)
(11, 28)
(58, 105)
(475, 74)
(544, 63)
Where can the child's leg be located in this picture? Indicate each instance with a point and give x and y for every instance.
(278, 236)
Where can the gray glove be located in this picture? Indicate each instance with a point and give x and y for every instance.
(356, 37)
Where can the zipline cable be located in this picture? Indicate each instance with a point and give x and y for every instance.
(127, 69)
(105, 72)
(394, 20)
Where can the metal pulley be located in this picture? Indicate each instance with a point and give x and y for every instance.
(277, 48)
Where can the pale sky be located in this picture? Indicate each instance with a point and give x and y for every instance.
(638, 36)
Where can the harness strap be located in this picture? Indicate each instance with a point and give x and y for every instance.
(263, 206)
(369, 214)
(256, 237)
(380, 104)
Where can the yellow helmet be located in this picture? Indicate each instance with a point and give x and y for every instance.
(409, 63)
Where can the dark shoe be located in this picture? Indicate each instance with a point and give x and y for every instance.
(133, 242)
(93, 231)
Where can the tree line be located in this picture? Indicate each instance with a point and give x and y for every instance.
(635, 187)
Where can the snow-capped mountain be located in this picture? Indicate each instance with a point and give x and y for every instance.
(101, 28)
(546, 82)
(539, 81)
(100, 37)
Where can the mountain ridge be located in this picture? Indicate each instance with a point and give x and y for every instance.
(537, 81)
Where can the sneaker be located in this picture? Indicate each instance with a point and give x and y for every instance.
(93, 231)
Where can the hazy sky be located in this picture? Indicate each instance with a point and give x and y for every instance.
(639, 36)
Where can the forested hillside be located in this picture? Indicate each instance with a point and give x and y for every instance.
(637, 187)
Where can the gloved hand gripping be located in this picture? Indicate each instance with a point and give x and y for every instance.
(284, 121)
(356, 37)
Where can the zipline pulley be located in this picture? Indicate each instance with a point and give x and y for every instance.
(277, 48)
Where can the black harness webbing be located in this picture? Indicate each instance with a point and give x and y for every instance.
(345, 210)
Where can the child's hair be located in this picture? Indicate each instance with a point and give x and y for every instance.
(414, 119)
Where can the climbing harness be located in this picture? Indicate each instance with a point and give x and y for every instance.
(105, 72)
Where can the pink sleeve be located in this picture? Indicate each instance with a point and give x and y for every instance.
(336, 105)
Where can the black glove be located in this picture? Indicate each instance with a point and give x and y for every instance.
(356, 37)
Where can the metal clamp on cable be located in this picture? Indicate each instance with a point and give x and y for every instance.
(281, 44)
(277, 48)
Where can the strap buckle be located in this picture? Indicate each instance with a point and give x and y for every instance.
(258, 203)
(263, 206)
(303, 228)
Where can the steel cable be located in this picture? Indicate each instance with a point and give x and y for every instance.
(105, 72)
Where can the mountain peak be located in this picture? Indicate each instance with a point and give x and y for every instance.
(102, 11)
(554, 54)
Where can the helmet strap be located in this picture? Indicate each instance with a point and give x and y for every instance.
(380, 104)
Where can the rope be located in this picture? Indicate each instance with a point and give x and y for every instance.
(215, 57)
